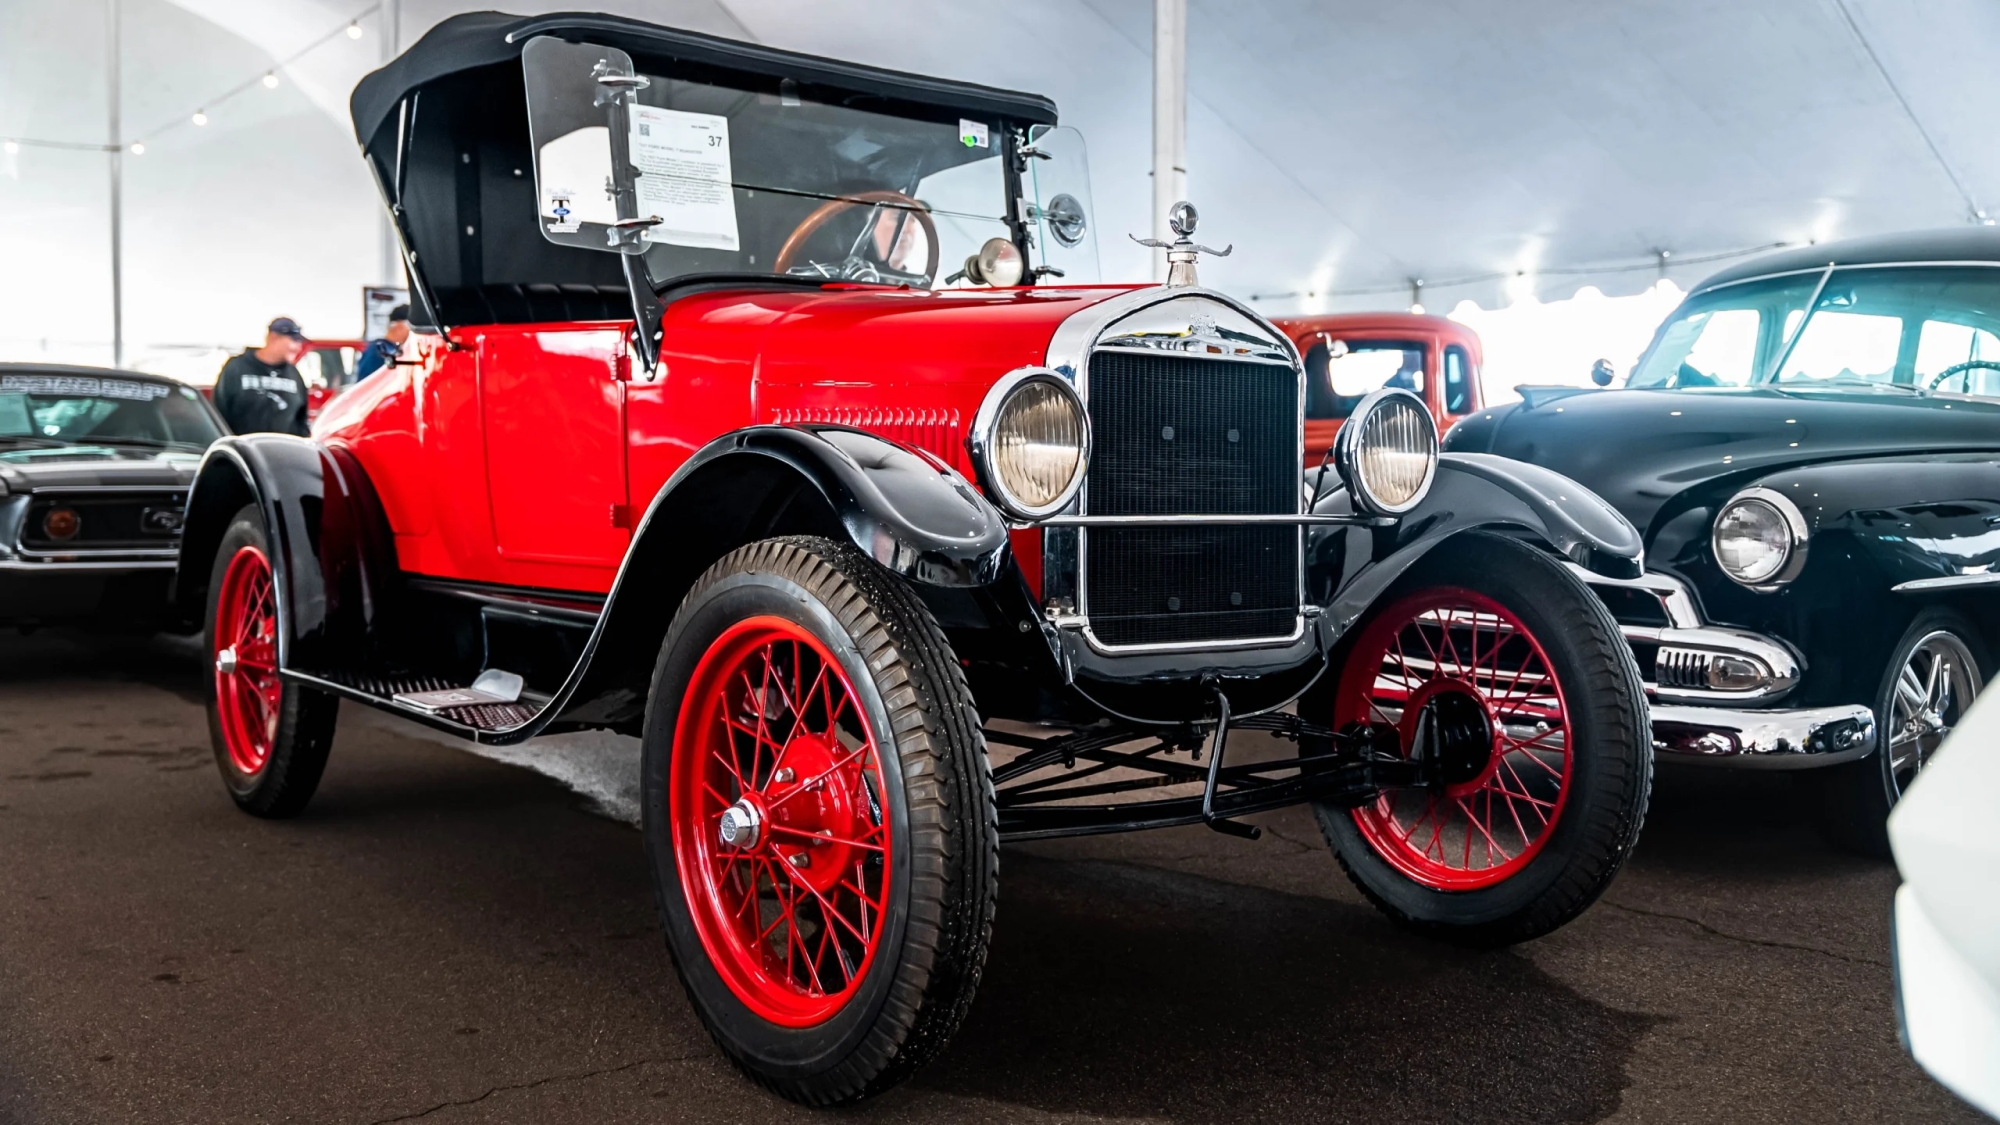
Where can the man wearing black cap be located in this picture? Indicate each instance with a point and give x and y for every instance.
(260, 390)
(385, 350)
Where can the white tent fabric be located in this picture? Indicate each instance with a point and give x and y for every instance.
(1494, 151)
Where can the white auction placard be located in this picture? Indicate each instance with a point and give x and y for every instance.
(684, 177)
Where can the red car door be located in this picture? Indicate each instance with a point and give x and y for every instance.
(553, 404)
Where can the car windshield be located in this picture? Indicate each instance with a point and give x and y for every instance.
(1895, 330)
(1725, 337)
(1341, 372)
(49, 409)
(774, 181)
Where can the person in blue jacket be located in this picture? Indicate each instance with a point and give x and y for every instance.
(380, 353)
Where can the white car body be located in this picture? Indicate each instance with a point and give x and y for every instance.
(1946, 835)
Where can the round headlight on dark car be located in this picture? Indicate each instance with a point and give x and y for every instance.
(1760, 538)
(1387, 452)
(1030, 443)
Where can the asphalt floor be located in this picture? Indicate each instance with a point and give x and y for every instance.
(447, 938)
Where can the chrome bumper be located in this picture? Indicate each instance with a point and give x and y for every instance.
(1799, 739)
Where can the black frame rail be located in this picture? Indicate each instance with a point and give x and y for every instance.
(1045, 792)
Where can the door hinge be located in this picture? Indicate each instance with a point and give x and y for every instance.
(621, 516)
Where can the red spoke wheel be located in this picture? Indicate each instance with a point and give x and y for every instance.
(1462, 664)
(271, 738)
(244, 651)
(776, 805)
(1512, 685)
(820, 819)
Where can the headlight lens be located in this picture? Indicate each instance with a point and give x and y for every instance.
(1754, 540)
(1030, 444)
(1388, 451)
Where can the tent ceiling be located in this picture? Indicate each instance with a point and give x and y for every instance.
(1347, 148)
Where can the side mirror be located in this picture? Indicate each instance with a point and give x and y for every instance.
(1601, 373)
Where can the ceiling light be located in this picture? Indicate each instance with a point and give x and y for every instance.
(270, 80)
(354, 30)
(200, 117)
(13, 147)
(138, 148)
(1416, 309)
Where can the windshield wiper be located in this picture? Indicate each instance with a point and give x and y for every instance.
(34, 440)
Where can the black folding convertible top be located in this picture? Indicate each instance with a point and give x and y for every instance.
(478, 39)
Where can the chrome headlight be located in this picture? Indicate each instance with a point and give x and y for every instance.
(1760, 538)
(1387, 452)
(1031, 443)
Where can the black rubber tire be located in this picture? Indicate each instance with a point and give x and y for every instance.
(306, 718)
(945, 833)
(1854, 798)
(1613, 757)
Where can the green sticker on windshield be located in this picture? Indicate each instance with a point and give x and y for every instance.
(973, 134)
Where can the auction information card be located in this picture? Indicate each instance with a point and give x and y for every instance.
(683, 163)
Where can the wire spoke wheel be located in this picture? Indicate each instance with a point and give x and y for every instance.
(776, 800)
(1469, 688)
(1937, 682)
(248, 694)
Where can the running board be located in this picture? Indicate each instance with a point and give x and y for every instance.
(479, 722)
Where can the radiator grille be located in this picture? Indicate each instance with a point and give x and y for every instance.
(1176, 435)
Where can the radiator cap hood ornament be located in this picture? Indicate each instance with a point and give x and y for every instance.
(1182, 252)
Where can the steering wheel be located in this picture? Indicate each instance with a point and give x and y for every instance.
(858, 266)
(1960, 369)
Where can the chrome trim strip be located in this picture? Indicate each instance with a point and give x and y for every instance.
(1182, 521)
(1947, 582)
(1675, 598)
(1780, 740)
(22, 566)
(1081, 623)
(89, 489)
(108, 554)
(1841, 266)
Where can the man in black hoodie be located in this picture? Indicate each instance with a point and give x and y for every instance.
(260, 390)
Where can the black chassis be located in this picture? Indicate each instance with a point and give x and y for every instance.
(355, 626)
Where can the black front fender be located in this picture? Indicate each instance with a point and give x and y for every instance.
(902, 508)
(329, 542)
(1349, 568)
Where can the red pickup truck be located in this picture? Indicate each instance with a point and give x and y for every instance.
(1351, 355)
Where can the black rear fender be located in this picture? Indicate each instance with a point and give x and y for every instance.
(331, 546)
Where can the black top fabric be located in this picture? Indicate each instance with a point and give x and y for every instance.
(258, 397)
(477, 39)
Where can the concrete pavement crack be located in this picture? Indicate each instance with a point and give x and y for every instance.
(1704, 927)
(544, 1081)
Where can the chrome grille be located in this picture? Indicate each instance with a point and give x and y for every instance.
(1175, 434)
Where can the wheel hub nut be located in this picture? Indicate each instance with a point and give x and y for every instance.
(225, 661)
(741, 827)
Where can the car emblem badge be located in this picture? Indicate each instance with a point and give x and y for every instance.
(1182, 251)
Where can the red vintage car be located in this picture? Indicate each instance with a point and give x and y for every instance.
(1349, 355)
(775, 420)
